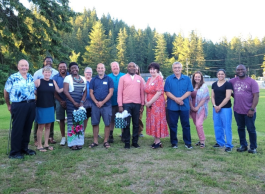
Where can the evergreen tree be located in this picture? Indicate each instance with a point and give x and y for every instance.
(122, 49)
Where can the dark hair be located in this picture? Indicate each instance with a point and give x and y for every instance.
(155, 66)
(61, 63)
(71, 64)
(220, 70)
(193, 80)
(48, 58)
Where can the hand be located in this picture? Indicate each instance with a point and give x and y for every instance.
(148, 104)
(100, 104)
(76, 104)
(217, 109)
(120, 109)
(141, 109)
(250, 113)
(9, 108)
(81, 104)
(179, 101)
(195, 109)
(63, 104)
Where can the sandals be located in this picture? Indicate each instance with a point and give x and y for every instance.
(198, 144)
(49, 148)
(106, 145)
(42, 149)
(202, 145)
(51, 140)
(93, 145)
(158, 145)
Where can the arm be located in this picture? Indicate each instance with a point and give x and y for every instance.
(101, 103)
(57, 97)
(142, 95)
(57, 88)
(67, 94)
(91, 93)
(213, 102)
(83, 98)
(186, 95)
(224, 102)
(254, 104)
(177, 100)
(120, 89)
(6, 96)
(155, 97)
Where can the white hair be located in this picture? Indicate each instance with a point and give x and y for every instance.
(176, 63)
(89, 69)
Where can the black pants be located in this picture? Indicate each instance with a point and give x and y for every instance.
(134, 110)
(23, 115)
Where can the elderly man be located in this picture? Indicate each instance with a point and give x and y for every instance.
(246, 98)
(131, 98)
(115, 76)
(48, 61)
(101, 90)
(19, 89)
(61, 99)
(178, 88)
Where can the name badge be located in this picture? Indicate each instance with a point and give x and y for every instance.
(105, 83)
(138, 80)
(50, 84)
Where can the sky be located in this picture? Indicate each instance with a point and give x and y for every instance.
(211, 19)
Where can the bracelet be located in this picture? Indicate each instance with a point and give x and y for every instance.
(82, 101)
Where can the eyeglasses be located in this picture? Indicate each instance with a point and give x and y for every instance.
(88, 72)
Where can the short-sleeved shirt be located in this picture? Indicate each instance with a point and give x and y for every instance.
(20, 89)
(59, 80)
(220, 93)
(178, 87)
(88, 93)
(101, 88)
(115, 79)
(38, 74)
(243, 93)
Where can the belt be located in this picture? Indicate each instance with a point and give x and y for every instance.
(26, 101)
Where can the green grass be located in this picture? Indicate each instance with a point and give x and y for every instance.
(143, 170)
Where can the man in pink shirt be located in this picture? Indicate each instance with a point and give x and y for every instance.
(131, 98)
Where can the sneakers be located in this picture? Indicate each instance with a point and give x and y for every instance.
(217, 146)
(63, 141)
(188, 146)
(141, 135)
(111, 139)
(252, 151)
(228, 149)
(175, 146)
(127, 146)
(135, 145)
(242, 149)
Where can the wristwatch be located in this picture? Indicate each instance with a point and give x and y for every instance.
(252, 109)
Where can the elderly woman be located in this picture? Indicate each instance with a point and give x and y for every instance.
(222, 112)
(156, 124)
(199, 99)
(88, 75)
(75, 91)
(45, 106)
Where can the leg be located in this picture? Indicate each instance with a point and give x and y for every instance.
(35, 130)
(106, 113)
(173, 117)
(95, 119)
(218, 128)
(135, 121)
(250, 123)
(240, 120)
(95, 133)
(141, 125)
(126, 131)
(226, 116)
(46, 134)
(85, 124)
(199, 126)
(39, 135)
(185, 123)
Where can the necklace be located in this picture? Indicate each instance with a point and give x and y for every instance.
(77, 79)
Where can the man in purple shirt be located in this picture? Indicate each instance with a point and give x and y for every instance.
(246, 97)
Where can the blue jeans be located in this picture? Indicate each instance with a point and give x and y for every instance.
(173, 117)
(223, 127)
(243, 120)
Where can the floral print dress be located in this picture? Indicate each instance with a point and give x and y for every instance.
(156, 124)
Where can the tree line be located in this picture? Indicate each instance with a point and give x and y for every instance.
(51, 28)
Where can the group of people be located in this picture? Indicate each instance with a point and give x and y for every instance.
(37, 98)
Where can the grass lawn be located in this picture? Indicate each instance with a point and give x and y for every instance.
(143, 170)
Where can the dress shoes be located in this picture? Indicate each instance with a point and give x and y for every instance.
(17, 156)
(28, 152)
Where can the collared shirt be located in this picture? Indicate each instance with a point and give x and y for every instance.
(116, 79)
(178, 87)
(59, 80)
(20, 89)
(101, 88)
(38, 74)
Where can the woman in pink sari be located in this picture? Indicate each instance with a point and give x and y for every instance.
(199, 99)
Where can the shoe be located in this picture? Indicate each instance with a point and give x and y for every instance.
(198, 144)
(127, 146)
(62, 143)
(141, 135)
(217, 146)
(52, 141)
(28, 152)
(228, 149)
(188, 146)
(153, 145)
(122, 139)
(158, 145)
(111, 139)
(202, 145)
(175, 146)
(242, 149)
(252, 151)
(17, 156)
(135, 145)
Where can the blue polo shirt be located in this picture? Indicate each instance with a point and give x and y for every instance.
(115, 79)
(101, 88)
(178, 87)
(59, 80)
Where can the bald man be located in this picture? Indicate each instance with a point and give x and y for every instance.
(19, 89)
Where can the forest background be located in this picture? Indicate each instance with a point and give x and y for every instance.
(51, 28)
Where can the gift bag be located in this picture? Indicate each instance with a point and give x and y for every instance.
(120, 123)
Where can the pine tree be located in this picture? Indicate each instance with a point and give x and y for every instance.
(122, 49)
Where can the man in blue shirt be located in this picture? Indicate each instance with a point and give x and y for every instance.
(19, 89)
(115, 76)
(61, 99)
(48, 61)
(101, 89)
(178, 88)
